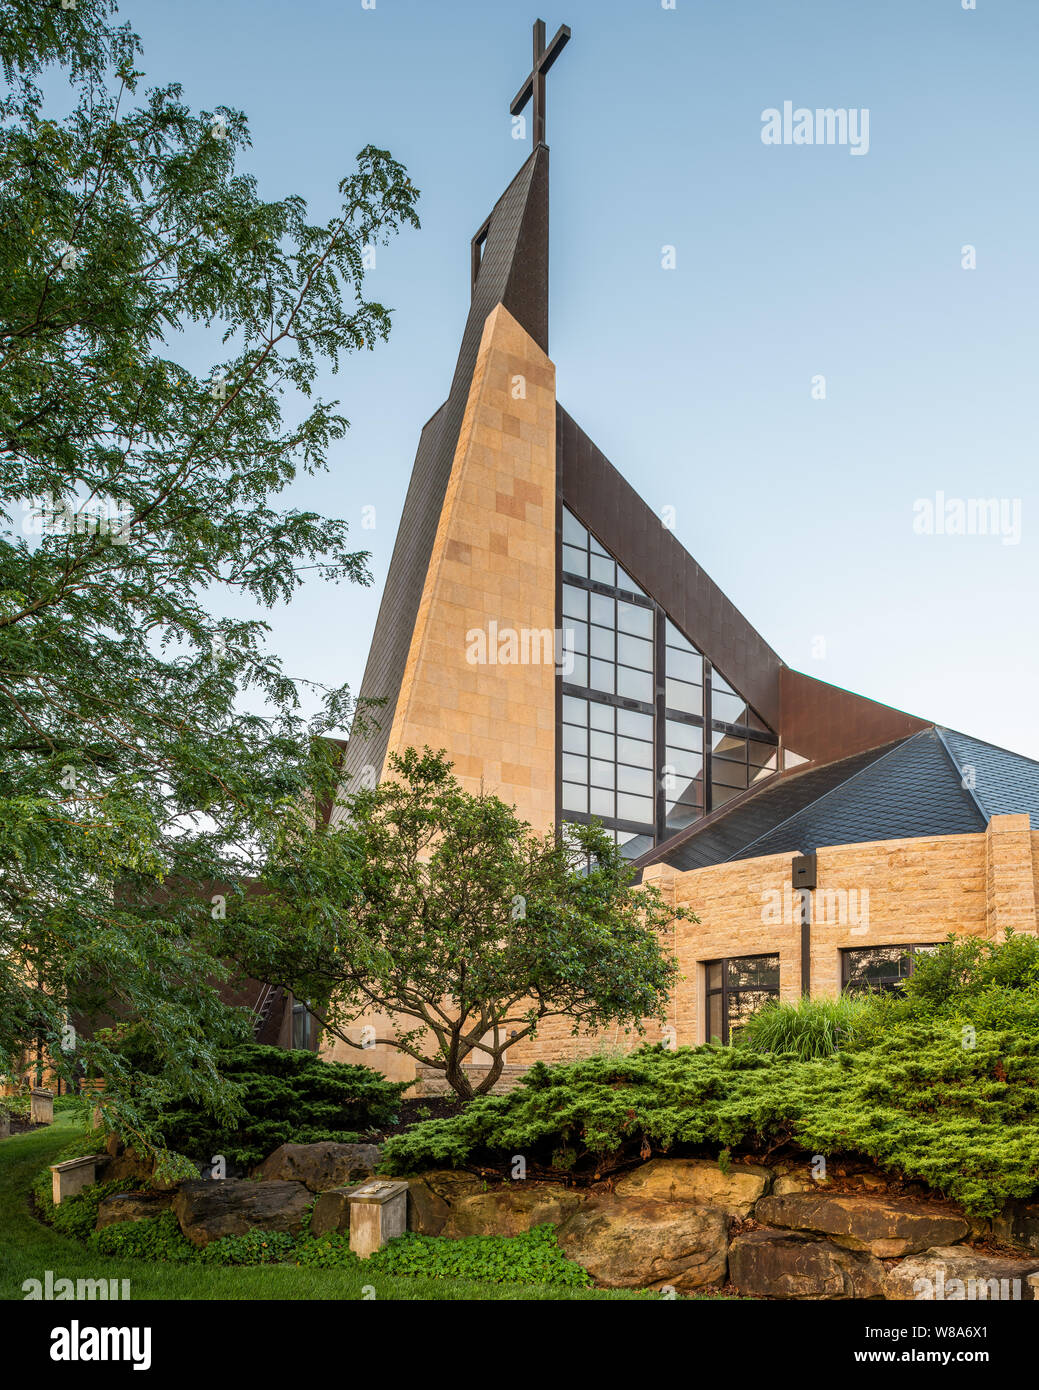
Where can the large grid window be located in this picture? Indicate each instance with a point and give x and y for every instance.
(612, 642)
(698, 742)
(584, 556)
(737, 763)
(880, 969)
(736, 988)
(608, 762)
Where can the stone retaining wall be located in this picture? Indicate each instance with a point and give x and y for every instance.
(687, 1224)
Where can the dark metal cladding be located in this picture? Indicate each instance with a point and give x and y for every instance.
(611, 508)
(513, 271)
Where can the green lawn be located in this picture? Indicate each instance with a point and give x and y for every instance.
(28, 1248)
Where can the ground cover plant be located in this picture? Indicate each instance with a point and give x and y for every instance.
(940, 1084)
(29, 1247)
(533, 1257)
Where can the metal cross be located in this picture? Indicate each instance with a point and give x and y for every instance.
(535, 83)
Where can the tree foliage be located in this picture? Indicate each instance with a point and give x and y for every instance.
(442, 908)
(149, 751)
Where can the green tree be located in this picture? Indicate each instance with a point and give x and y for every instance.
(135, 781)
(445, 910)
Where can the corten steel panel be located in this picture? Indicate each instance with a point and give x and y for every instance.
(514, 272)
(822, 722)
(626, 526)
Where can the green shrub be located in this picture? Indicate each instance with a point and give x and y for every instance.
(151, 1238)
(286, 1097)
(964, 1119)
(809, 1028)
(252, 1248)
(531, 1258)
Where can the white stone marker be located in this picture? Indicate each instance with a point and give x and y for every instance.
(5, 1124)
(378, 1212)
(41, 1106)
(73, 1175)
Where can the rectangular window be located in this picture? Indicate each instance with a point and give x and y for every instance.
(881, 969)
(575, 561)
(685, 698)
(302, 1029)
(736, 988)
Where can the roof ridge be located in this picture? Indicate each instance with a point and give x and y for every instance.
(985, 744)
(870, 766)
(783, 778)
(941, 731)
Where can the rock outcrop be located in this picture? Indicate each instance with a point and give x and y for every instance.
(629, 1243)
(321, 1166)
(132, 1206)
(784, 1264)
(208, 1210)
(698, 1180)
(884, 1226)
(956, 1273)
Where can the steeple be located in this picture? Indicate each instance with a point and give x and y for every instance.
(508, 266)
(508, 256)
(534, 87)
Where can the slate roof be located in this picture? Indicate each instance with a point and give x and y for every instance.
(1003, 782)
(907, 789)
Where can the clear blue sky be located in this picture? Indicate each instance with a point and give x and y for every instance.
(696, 382)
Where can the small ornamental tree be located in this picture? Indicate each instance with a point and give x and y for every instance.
(443, 909)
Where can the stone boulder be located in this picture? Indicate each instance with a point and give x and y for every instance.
(956, 1273)
(1018, 1224)
(780, 1264)
(887, 1227)
(510, 1209)
(208, 1210)
(697, 1180)
(634, 1243)
(331, 1212)
(132, 1206)
(431, 1197)
(123, 1165)
(321, 1166)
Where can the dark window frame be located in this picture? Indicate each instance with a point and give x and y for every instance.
(886, 984)
(657, 708)
(726, 991)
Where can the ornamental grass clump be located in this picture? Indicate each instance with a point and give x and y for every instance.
(808, 1028)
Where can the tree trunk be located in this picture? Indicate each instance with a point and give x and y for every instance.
(457, 1079)
(494, 1072)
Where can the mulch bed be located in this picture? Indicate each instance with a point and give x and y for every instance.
(413, 1112)
(20, 1126)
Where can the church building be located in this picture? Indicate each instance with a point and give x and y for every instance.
(542, 625)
